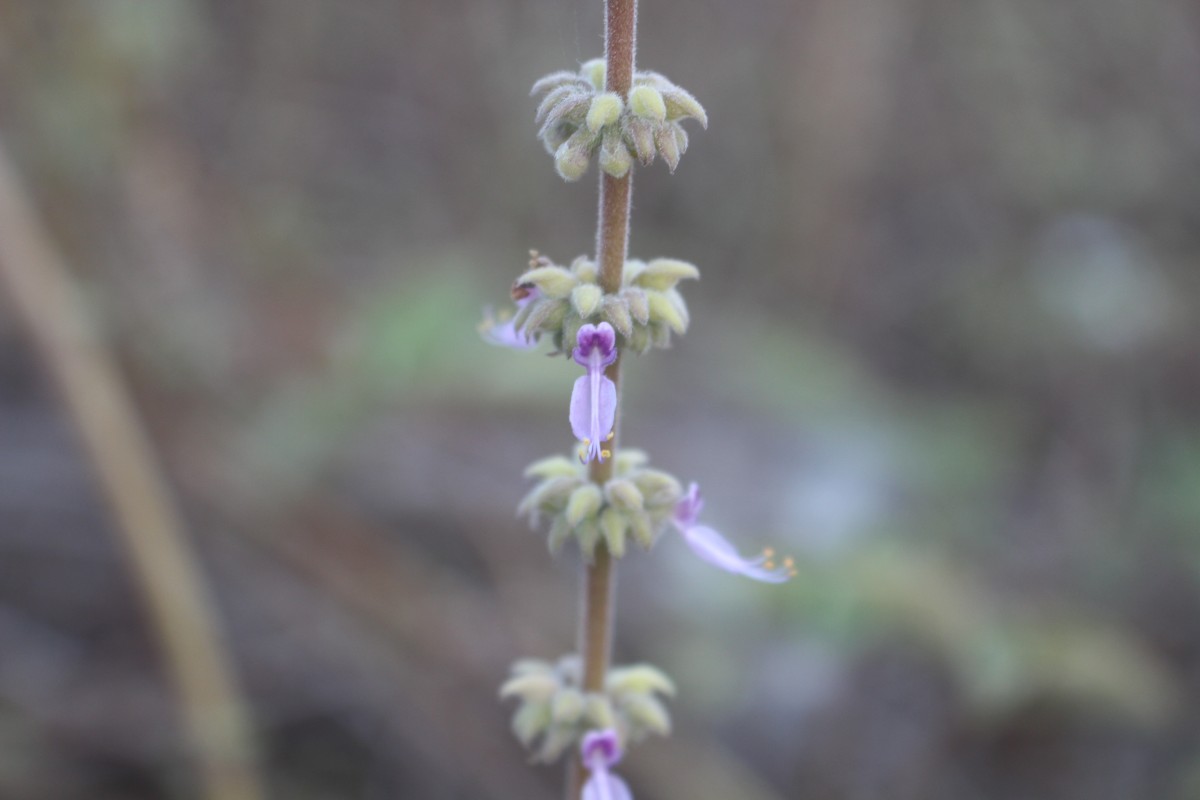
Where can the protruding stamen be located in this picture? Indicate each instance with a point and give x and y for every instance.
(606, 453)
(611, 436)
(769, 552)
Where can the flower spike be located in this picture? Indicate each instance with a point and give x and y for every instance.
(601, 750)
(714, 548)
(594, 398)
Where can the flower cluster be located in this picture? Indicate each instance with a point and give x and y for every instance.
(556, 301)
(605, 506)
(577, 117)
(638, 503)
(555, 713)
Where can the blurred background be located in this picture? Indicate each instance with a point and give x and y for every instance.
(944, 351)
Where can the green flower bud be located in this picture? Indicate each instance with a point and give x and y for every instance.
(554, 467)
(648, 713)
(571, 158)
(616, 311)
(668, 146)
(629, 458)
(530, 721)
(560, 531)
(658, 487)
(641, 528)
(570, 332)
(605, 109)
(534, 687)
(584, 269)
(586, 299)
(639, 304)
(545, 314)
(584, 503)
(594, 71)
(555, 80)
(664, 273)
(587, 533)
(681, 137)
(567, 707)
(639, 679)
(639, 342)
(614, 155)
(680, 105)
(613, 525)
(554, 138)
(623, 494)
(647, 103)
(551, 100)
(549, 496)
(553, 281)
(640, 135)
(662, 309)
(565, 118)
(598, 711)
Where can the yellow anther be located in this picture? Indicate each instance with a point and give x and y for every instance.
(769, 552)
(769, 565)
(587, 442)
(610, 436)
(789, 562)
(606, 453)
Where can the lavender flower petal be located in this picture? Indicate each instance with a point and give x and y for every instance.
(595, 343)
(600, 747)
(603, 786)
(687, 510)
(716, 550)
(505, 334)
(593, 411)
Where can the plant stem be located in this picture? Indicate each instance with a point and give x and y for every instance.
(612, 246)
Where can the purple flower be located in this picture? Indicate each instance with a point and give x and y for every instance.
(601, 750)
(501, 331)
(716, 549)
(594, 398)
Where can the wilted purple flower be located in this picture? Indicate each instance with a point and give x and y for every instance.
(501, 331)
(716, 549)
(594, 398)
(601, 750)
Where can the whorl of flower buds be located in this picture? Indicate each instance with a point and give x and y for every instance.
(637, 503)
(577, 117)
(645, 312)
(555, 713)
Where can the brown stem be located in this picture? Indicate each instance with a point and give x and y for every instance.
(612, 245)
(49, 308)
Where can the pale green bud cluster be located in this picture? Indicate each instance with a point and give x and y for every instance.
(635, 504)
(646, 310)
(577, 117)
(554, 712)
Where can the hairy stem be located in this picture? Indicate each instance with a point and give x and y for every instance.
(612, 245)
(49, 308)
